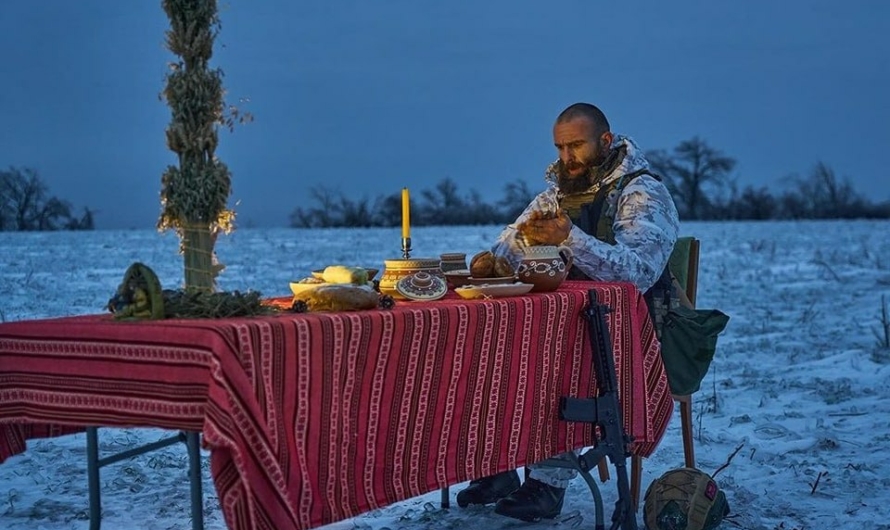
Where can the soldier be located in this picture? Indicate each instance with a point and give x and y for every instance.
(621, 224)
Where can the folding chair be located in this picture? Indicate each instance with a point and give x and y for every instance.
(684, 265)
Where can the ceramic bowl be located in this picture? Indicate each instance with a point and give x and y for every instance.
(457, 278)
(453, 261)
(319, 273)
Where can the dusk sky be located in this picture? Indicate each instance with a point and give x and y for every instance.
(367, 96)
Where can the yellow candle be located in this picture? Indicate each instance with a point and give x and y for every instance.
(406, 219)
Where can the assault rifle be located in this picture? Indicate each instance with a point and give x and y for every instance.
(603, 411)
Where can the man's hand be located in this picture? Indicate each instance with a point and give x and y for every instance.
(545, 229)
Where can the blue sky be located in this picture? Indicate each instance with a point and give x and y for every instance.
(367, 96)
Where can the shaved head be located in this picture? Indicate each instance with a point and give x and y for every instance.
(588, 111)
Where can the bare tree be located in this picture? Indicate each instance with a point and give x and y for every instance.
(443, 204)
(388, 210)
(55, 214)
(24, 194)
(517, 196)
(829, 197)
(84, 223)
(691, 172)
(356, 213)
(25, 203)
(6, 204)
(326, 214)
(755, 203)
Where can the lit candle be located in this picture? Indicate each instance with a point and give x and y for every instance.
(406, 218)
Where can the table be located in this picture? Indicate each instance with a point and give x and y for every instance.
(313, 418)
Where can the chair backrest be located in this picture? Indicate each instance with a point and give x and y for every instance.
(684, 265)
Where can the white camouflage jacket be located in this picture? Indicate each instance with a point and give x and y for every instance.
(646, 226)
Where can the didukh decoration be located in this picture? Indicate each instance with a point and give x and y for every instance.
(194, 193)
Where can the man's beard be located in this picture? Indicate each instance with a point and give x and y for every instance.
(569, 184)
(593, 172)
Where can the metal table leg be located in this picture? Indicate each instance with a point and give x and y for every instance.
(93, 478)
(192, 440)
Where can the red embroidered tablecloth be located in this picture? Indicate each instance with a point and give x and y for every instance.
(313, 418)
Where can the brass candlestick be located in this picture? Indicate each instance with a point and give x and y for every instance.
(406, 247)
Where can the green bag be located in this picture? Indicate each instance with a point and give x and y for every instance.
(688, 343)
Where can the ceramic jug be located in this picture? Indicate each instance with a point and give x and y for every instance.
(545, 266)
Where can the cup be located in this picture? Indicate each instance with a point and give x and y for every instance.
(453, 261)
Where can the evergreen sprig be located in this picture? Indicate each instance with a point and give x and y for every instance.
(226, 304)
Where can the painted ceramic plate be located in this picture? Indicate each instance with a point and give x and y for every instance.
(493, 291)
(422, 286)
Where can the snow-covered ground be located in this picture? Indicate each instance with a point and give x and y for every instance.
(800, 384)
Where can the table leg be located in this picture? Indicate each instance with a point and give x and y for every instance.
(93, 478)
(193, 441)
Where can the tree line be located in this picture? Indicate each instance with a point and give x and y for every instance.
(26, 205)
(699, 177)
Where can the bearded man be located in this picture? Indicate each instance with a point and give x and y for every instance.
(621, 224)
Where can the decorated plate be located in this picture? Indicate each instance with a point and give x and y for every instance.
(493, 290)
(422, 285)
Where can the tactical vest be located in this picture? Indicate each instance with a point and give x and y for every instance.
(596, 217)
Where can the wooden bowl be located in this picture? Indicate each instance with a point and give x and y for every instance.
(457, 278)
(319, 273)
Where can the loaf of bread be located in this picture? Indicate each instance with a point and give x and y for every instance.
(482, 265)
(339, 297)
(486, 265)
